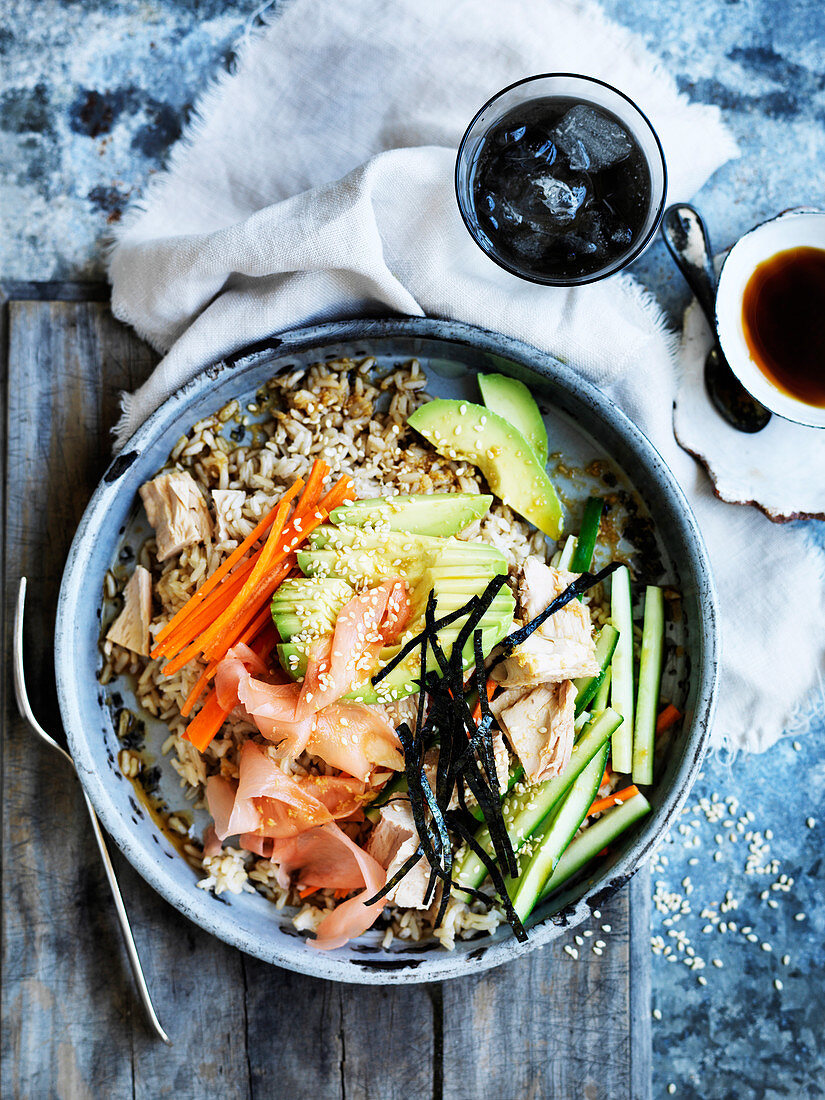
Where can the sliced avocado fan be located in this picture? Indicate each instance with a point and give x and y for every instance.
(460, 429)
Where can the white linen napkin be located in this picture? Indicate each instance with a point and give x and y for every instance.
(316, 182)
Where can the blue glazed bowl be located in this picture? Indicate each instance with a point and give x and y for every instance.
(582, 424)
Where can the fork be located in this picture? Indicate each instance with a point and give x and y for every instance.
(27, 713)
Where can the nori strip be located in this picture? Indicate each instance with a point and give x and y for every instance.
(580, 584)
(495, 874)
(391, 883)
(409, 646)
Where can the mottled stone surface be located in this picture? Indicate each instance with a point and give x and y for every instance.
(93, 95)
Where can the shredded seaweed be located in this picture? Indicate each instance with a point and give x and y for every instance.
(466, 758)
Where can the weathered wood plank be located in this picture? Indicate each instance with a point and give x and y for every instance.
(545, 1025)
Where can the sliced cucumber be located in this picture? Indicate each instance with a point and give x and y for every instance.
(650, 679)
(567, 553)
(621, 687)
(588, 534)
(600, 699)
(587, 686)
(610, 825)
(525, 810)
(547, 848)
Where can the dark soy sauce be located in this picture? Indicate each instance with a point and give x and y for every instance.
(783, 317)
(560, 188)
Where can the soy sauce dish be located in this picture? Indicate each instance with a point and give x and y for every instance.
(322, 803)
(770, 314)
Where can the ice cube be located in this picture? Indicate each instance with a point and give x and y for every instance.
(563, 200)
(590, 140)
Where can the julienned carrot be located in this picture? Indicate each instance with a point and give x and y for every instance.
(206, 722)
(212, 715)
(273, 563)
(613, 799)
(669, 717)
(266, 558)
(606, 775)
(221, 635)
(489, 688)
(260, 602)
(261, 620)
(210, 583)
(313, 487)
(203, 615)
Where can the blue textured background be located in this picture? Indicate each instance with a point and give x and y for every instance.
(93, 94)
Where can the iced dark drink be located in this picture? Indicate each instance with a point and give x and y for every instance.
(561, 188)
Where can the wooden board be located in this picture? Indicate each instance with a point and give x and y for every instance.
(544, 1026)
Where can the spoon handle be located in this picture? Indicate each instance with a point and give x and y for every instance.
(686, 237)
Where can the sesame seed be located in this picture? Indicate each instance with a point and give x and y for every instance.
(766, 947)
(786, 959)
(777, 983)
(799, 916)
(657, 1014)
(671, 1088)
(810, 822)
(701, 980)
(717, 963)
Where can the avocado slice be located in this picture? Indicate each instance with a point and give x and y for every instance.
(513, 401)
(420, 513)
(301, 603)
(460, 429)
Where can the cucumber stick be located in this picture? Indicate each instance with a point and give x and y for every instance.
(587, 686)
(600, 699)
(621, 686)
(610, 825)
(547, 849)
(525, 810)
(567, 553)
(588, 534)
(650, 678)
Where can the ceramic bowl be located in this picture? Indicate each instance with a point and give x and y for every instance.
(792, 229)
(583, 425)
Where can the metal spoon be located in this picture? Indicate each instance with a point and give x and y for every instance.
(686, 237)
(27, 713)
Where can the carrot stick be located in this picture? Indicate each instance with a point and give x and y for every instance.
(312, 490)
(206, 722)
(259, 601)
(614, 799)
(202, 641)
(669, 717)
(212, 715)
(256, 628)
(220, 635)
(490, 689)
(206, 613)
(225, 566)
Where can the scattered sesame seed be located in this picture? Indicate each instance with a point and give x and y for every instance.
(766, 947)
(786, 959)
(717, 963)
(799, 916)
(671, 1088)
(701, 980)
(810, 822)
(777, 983)
(657, 1013)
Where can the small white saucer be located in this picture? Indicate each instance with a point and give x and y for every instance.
(780, 470)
